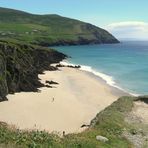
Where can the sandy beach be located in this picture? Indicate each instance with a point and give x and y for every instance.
(66, 107)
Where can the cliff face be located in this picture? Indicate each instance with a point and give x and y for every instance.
(50, 29)
(20, 65)
(3, 82)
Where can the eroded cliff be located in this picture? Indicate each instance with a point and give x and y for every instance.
(20, 65)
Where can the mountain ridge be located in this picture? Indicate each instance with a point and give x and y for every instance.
(50, 29)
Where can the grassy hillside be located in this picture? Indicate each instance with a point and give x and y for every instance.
(109, 123)
(49, 29)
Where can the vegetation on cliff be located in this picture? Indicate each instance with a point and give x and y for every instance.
(49, 29)
(20, 65)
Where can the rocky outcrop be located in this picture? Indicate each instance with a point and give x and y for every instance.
(70, 66)
(3, 82)
(101, 138)
(20, 65)
(79, 41)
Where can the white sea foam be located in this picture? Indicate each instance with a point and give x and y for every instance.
(67, 63)
(108, 79)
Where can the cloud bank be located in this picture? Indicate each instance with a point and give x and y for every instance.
(129, 30)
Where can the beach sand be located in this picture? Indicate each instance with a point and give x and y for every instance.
(66, 107)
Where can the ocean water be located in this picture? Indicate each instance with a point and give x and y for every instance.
(123, 65)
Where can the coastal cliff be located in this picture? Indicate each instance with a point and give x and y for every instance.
(49, 30)
(20, 65)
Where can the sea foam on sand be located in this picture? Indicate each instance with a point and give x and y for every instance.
(108, 79)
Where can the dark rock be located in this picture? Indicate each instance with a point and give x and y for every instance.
(48, 86)
(60, 65)
(84, 125)
(76, 66)
(52, 68)
(51, 82)
(3, 73)
(143, 99)
(70, 66)
(133, 131)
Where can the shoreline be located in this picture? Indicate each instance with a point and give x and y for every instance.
(114, 90)
(101, 76)
(71, 109)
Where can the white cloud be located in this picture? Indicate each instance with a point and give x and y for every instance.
(129, 30)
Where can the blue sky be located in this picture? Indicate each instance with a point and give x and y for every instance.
(117, 16)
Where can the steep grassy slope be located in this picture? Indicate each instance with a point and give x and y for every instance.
(49, 29)
(20, 65)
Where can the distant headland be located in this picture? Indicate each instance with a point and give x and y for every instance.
(50, 30)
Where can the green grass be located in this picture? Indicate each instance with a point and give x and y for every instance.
(50, 29)
(109, 123)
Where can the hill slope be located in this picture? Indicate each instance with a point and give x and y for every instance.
(49, 29)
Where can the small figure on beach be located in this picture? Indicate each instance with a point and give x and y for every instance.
(63, 133)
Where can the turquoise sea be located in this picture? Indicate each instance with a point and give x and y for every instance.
(123, 65)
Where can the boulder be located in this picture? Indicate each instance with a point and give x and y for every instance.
(101, 138)
(51, 82)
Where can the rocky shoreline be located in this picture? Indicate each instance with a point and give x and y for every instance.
(81, 41)
(20, 65)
